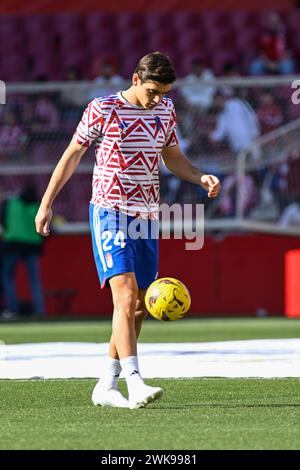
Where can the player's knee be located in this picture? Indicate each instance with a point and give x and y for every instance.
(126, 301)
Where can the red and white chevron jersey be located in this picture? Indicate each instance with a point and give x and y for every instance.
(128, 144)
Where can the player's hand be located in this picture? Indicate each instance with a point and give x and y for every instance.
(42, 221)
(212, 185)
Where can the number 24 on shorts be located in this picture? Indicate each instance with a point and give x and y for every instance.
(108, 241)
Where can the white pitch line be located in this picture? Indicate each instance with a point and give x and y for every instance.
(252, 358)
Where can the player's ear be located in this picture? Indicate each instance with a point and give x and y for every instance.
(136, 79)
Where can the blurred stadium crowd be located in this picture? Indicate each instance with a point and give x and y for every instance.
(45, 46)
(95, 53)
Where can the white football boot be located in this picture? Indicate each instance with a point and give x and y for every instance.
(110, 397)
(143, 394)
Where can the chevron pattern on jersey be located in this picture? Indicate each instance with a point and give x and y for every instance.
(128, 144)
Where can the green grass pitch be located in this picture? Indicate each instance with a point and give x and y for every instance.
(213, 413)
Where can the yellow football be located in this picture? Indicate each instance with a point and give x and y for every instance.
(167, 299)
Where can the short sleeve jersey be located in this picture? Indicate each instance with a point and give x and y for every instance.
(128, 143)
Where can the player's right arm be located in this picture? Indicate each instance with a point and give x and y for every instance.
(61, 174)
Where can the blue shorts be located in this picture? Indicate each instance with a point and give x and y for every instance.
(123, 244)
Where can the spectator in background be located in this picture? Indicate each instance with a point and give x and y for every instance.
(230, 70)
(291, 214)
(269, 114)
(20, 242)
(45, 115)
(170, 183)
(194, 93)
(73, 96)
(274, 57)
(73, 74)
(107, 82)
(226, 206)
(236, 122)
(12, 136)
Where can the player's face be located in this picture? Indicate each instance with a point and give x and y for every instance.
(149, 94)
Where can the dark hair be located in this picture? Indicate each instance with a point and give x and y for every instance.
(156, 67)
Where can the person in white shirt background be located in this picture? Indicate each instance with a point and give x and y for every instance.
(107, 82)
(195, 91)
(291, 214)
(236, 122)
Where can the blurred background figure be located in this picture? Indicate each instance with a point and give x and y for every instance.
(170, 184)
(238, 124)
(71, 96)
(107, 82)
(291, 214)
(73, 74)
(45, 115)
(195, 94)
(20, 242)
(227, 204)
(230, 70)
(274, 56)
(13, 137)
(236, 121)
(269, 114)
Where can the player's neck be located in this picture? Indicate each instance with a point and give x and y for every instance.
(130, 96)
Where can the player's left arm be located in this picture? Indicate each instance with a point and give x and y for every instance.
(181, 166)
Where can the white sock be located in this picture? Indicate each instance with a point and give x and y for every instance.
(130, 368)
(111, 375)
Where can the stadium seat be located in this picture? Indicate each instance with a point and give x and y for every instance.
(243, 20)
(97, 21)
(220, 57)
(45, 65)
(76, 57)
(129, 62)
(10, 24)
(157, 21)
(40, 43)
(101, 42)
(212, 20)
(176, 33)
(127, 21)
(72, 40)
(184, 67)
(67, 22)
(292, 20)
(162, 41)
(220, 40)
(247, 40)
(131, 41)
(15, 45)
(294, 41)
(190, 40)
(186, 21)
(13, 68)
(37, 23)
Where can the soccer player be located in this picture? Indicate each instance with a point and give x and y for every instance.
(131, 131)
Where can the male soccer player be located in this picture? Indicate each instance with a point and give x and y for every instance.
(131, 131)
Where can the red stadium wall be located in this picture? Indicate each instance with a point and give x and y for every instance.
(234, 275)
(51, 6)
